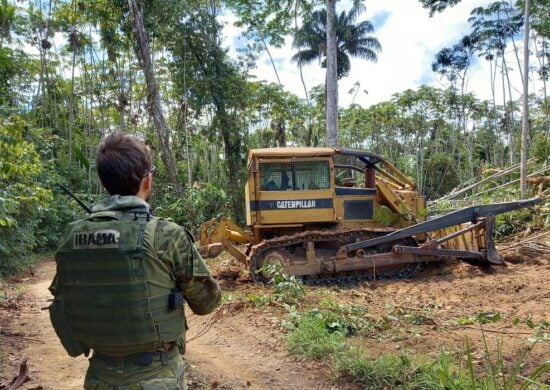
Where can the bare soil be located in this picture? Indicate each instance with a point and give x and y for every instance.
(242, 346)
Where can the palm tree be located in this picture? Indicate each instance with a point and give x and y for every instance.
(351, 40)
(331, 84)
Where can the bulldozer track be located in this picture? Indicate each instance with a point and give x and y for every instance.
(257, 251)
(404, 272)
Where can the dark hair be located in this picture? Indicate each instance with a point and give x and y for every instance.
(122, 161)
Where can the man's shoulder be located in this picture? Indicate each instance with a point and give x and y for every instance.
(170, 237)
(168, 227)
(168, 231)
(74, 223)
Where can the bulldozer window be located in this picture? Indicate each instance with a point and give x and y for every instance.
(294, 176)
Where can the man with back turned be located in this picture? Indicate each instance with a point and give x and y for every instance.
(122, 278)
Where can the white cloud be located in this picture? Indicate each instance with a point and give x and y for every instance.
(409, 38)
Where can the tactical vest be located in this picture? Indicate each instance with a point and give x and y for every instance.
(117, 293)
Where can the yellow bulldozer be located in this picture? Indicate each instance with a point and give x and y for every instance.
(333, 212)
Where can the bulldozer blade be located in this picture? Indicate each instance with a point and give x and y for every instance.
(492, 255)
(210, 250)
(467, 214)
(398, 249)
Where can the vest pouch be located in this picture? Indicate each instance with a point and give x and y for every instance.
(64, 331)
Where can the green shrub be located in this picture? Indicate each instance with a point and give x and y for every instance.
(195, 206)
(541, 147)
(441, 175)
(22, 198)
(384, 215)
(287, 288)
(512, 223)
(483, 317)
(349, 319)
(258, 300)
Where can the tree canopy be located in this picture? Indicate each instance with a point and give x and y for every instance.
(72, 72)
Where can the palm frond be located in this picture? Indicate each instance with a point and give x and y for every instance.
(366, 54)
(305, 57)
(344, 64)
(352, 39)
(357, 9)
(365, 27)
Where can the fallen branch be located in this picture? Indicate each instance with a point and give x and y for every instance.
(534, 250)
(21, 378)
(534, 237)
(20, 336)
(508, 183)
(455, 193)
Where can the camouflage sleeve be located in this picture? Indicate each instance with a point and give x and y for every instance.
(201, 291)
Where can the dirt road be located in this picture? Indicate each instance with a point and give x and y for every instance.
(226, 356)
(242, 346)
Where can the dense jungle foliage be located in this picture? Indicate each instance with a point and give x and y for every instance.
(72, 71)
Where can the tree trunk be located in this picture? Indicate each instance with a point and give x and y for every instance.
(331, 79)
(187, 136)
(496, 129)
(71, 106)
(542, 64)
(308, 141)
(153, 98)
(270, 57)
(513, 141)
(517, 59)
(525, 116)
(506, 117)
(232, 147)
(468, 138)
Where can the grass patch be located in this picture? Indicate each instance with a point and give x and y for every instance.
(322, 335)
(385, 372)
(453, 373)
(313, 338)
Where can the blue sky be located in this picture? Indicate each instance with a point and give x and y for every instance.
(409, 38)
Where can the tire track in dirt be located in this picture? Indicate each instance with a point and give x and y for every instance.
(49, 364)
(244, 352)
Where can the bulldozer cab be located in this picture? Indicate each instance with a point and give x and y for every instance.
(295, 175)
(291, 188)
(290, 185)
